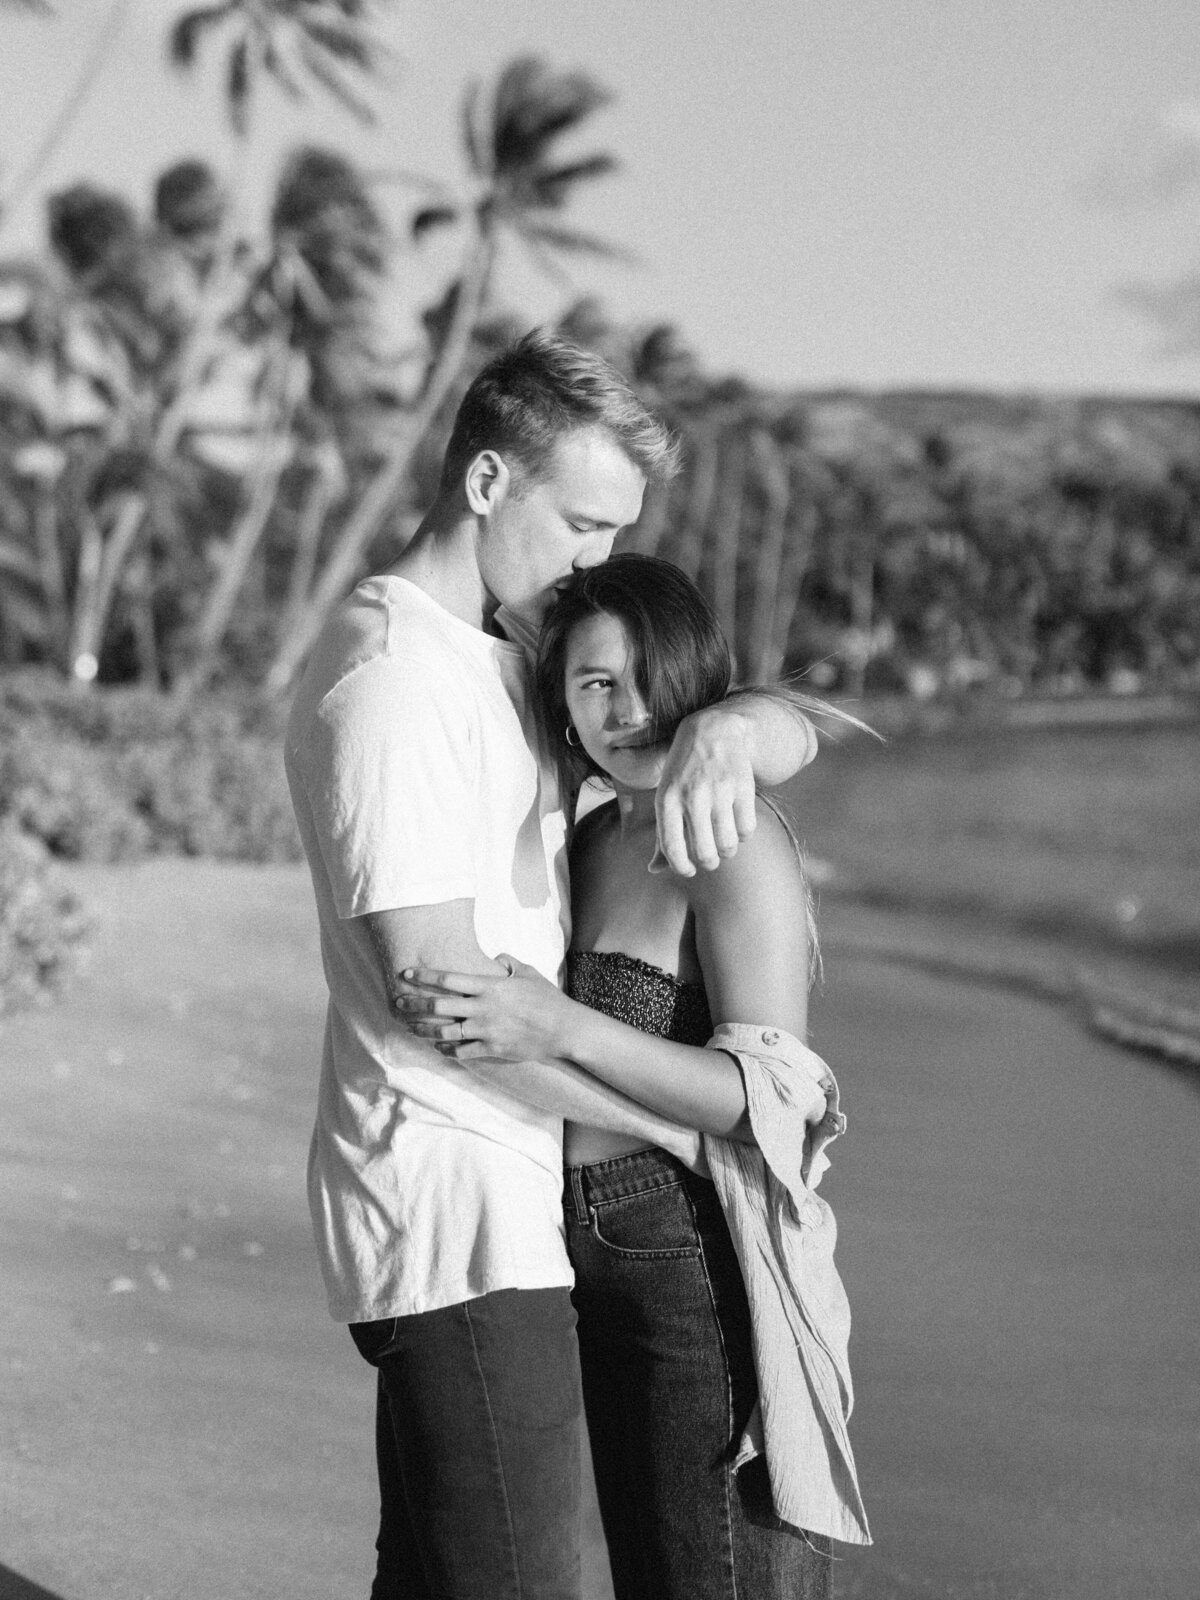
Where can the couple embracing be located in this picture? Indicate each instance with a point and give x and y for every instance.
(531, 1199)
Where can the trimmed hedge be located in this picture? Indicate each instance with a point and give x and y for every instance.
(42, 925)
(114, 774)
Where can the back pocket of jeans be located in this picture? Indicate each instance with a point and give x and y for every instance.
(658, 1223)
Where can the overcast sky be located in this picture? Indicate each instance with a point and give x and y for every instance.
(875, 192)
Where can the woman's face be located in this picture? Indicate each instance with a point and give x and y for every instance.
(606, 706)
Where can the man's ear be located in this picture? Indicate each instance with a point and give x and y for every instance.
(486, 482)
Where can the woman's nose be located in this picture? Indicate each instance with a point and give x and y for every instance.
(629, 708)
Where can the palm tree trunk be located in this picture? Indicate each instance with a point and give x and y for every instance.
(50, 569)
(273, 454)
(372, 510)
(862, 602)
(648, 530)
(727, 530)
(92, 618)
(760, 656)
(798, 550)
(322, 490)
(139, 592)
(87, 583)
(705, 452)
(61, 122)
(223, 597)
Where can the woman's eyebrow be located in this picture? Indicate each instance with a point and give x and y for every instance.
(582, 671)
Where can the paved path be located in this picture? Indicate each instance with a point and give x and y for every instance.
(178, 1418)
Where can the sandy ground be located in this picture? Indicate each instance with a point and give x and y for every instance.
(1018, 1207)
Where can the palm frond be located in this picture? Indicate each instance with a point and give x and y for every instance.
(414, 180)
(329, 78)
(517, 82)
(534, 105)
(573, 241)
(186, 33)
(545, 259)
(553, 188)
(279, 70)
(237, 84)
(430, 217)
(347, 42)
(478, 156)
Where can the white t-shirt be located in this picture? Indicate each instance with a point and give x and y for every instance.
(412, 757)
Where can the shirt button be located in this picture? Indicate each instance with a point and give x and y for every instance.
(770, 1036)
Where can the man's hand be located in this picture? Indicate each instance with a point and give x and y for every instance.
(705, 798)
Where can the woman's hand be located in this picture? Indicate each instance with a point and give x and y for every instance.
(471, 1016)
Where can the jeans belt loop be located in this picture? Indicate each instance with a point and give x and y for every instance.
(582, 1215)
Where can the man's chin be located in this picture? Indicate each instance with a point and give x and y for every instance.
(535, 609)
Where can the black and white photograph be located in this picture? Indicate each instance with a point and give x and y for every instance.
(599, 800)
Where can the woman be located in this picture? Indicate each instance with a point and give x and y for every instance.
(661, 969)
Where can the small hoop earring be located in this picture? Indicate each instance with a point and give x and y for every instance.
(574, 743)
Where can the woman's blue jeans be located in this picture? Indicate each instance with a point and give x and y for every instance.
(668, 1383)
(478, 1440)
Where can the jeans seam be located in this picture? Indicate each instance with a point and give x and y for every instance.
(726, 1473)
(487, 1400)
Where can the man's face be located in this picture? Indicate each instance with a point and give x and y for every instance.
(543, 527)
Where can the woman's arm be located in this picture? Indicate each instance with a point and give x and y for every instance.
(752, 943)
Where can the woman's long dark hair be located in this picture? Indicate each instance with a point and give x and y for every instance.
(681, 659)
(681, 662)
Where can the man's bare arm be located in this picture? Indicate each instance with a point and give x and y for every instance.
(705, 799)
(782, 736)
(401, 936)
(443, 937)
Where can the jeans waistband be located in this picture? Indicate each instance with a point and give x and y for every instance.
(620, 1177)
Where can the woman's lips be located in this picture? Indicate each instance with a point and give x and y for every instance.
(645, 741)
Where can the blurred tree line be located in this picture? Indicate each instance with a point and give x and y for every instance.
(204, 441)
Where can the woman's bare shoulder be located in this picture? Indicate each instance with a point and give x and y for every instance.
(593, 826)
(767, 861)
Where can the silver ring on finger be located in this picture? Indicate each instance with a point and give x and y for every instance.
(462, 1032)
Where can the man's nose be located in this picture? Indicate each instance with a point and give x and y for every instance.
(596, 550)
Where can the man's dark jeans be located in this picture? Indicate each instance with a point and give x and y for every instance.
(669, 1385)
(478, 1443)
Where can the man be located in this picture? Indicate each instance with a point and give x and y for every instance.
(436, 835)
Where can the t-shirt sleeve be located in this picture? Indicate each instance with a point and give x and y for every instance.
(388, 762)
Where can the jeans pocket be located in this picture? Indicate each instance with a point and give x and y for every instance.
(657, 1224)
(373, 1339)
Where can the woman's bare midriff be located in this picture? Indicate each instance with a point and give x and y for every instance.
(582, 1145)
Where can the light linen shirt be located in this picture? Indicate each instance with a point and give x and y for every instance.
(784, 1235)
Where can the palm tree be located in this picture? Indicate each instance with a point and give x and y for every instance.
(313, 296)
(330, 41)
(521, 184)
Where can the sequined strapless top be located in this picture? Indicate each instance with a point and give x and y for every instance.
(644, 996)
